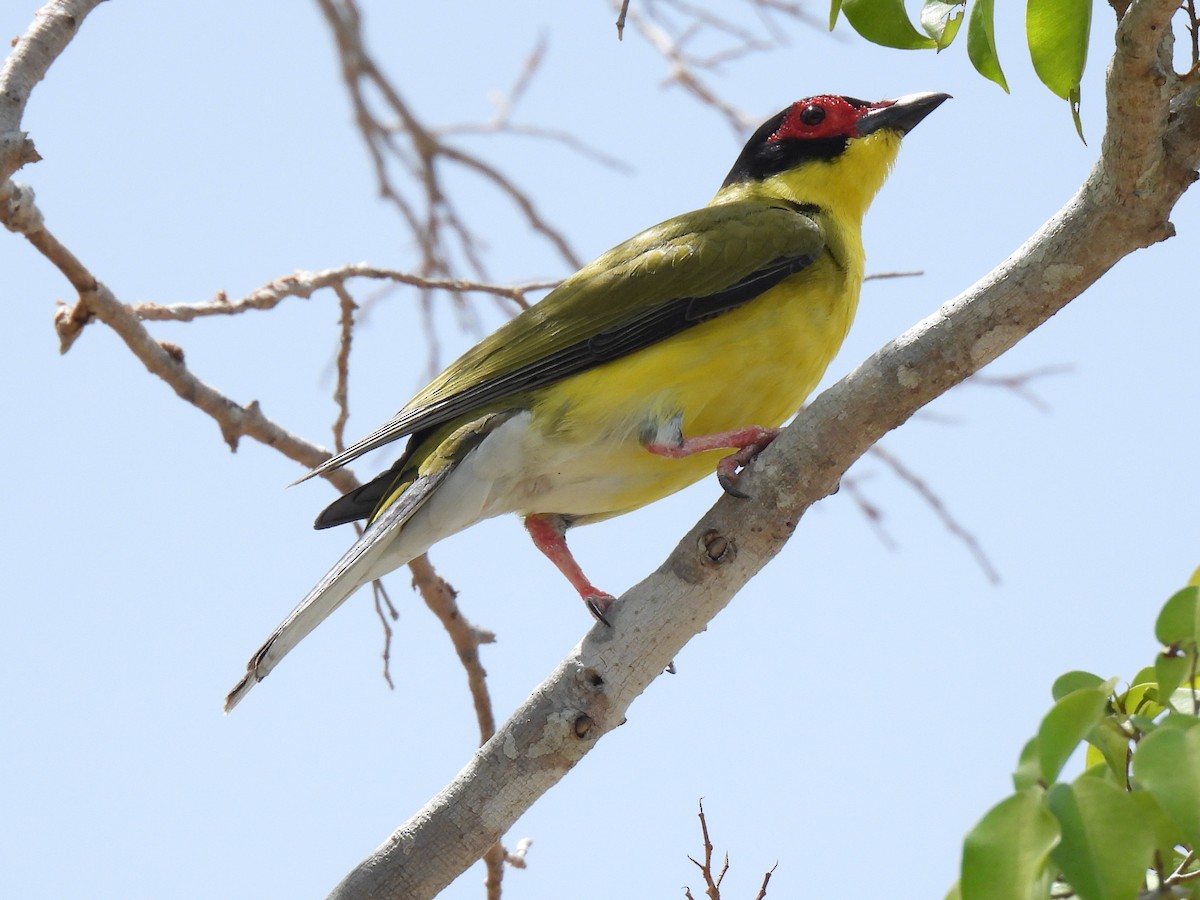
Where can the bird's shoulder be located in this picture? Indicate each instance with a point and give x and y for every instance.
(697, 254)
(660, 280)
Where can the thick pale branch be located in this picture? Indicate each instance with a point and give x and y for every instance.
(1148, 160)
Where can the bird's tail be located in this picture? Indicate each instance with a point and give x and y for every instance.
(374, 553)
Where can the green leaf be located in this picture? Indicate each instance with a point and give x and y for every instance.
(941, 20)
(1179, 722)
(886, 23)
(1179, 621)
(1165, 834)
(1145, 675)
(1186, 700)
(1073, 99)
(1068, 723)
(1167, 765)
(1057, 31)
(835, 7)
(1028, 773)
(955, 893)
(1107, 838)
(981, 43)
(1144, 724)
(1073, 681)
(1171, 672)
(1107, 743)
(1142, 696)
(1004, 856)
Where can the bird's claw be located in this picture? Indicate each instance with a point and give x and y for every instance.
(598, 605)
(727, 469)
(727, 477)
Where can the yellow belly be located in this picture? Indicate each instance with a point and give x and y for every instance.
(752, 366)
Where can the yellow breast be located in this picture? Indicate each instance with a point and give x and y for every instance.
(752, 366)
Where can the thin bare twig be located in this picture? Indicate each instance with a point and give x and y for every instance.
(621, 14)
(398, 142)
(516, 858)
(762, 891)
(712, 881)
(682, 71)
(417, 149)
(872, 513)
(304, 284)
(1019, 383)
(493, 862)
(387, 614)
(673, 27)
(1193, 27)
(341, 393)
(502, 122)
(712, 884)
(878, 276)
(96, 302)
(939, 508)
(441, 599)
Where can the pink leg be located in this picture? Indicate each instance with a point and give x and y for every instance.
(746, 442)
(547, 531)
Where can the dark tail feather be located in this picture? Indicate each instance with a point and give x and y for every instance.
(361, 502)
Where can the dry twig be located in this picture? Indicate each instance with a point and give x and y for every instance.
(304, 284)
(502, 122)
(1019, 383)
(712, 884)
(712, 881)
(675, 27)
(396, 140)
(918, 484)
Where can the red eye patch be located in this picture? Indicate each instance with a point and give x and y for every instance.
(820, 117)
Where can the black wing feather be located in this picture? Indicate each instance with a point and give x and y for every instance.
(637, 333)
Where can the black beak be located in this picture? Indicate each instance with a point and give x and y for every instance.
(902, 115)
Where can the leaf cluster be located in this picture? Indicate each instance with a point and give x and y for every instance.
(1129, 826)
(1056, 30)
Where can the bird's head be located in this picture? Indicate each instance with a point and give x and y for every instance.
(831, 151)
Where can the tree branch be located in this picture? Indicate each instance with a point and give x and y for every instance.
(54, 25)
(1148, 159)
(304, 284)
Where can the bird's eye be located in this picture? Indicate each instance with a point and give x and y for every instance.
(812, 114)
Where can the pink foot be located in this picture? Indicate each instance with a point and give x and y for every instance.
(547, 531)
(747, 443)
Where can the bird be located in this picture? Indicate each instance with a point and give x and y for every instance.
(677, 353)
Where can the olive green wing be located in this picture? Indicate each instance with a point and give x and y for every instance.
(672, 276)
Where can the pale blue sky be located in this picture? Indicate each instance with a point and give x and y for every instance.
(853, 712)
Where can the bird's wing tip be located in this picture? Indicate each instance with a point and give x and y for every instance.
(303, 478)
(314, 472)
(239, 691)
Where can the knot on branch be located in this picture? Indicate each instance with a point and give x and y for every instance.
(233, 425)
(69, 322)
(588, 711)
(174, 351)
(716, 549)
(17, 208)
(584, 726)
(16, 150)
